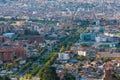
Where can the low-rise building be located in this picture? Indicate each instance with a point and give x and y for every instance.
(63, 56)
(87, 52)
(108, 55)
(88, 36)
(9, 35)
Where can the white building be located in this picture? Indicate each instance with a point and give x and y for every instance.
(9, 35)
(63, 56)
(90, 53)
(82, 53)
(101, 39)
(109, 34)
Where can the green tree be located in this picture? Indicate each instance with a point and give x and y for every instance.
(69, 76)
(62, 49)
(106, 59)
(4, 78)
(115, 76)
(48, 73)
(7, 66)
(84, 45)
(28, 77)
(82, 58)
(16, 61)
(17, 77)
(80, 66)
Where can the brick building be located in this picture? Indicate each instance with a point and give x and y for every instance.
(37, 39)
(9, 54)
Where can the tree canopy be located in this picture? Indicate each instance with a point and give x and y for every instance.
(48, 73)
(4, 78)
(69, 76)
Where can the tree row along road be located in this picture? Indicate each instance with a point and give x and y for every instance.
(30, 63)
(50, 57)
(70, 39)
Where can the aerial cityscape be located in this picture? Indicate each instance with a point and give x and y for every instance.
(59, 39)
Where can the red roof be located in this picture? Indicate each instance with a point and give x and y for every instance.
(37, 39)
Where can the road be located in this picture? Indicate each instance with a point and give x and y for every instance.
(36, 61)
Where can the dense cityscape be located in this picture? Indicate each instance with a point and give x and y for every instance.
(59, 39)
